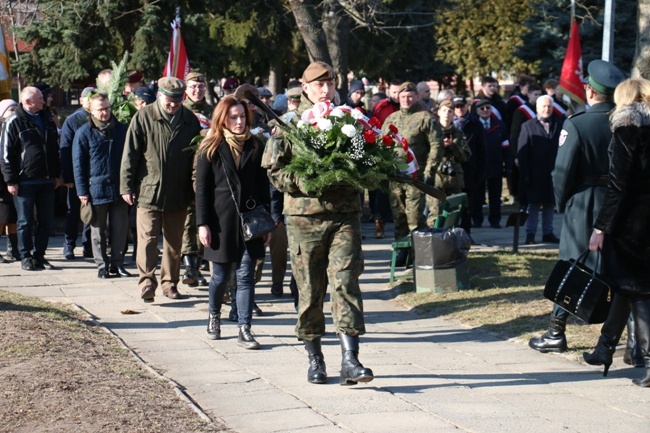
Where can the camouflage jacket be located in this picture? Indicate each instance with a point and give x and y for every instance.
(277, 154)
(201, 109)
(456, 153)
(418, 128)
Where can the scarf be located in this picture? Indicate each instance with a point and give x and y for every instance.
(236, 143)
(104, 127)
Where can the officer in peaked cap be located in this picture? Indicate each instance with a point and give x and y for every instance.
(579, 182)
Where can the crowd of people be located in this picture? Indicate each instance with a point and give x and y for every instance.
(148, 177)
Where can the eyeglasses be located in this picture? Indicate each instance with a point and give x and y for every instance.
(197, 86)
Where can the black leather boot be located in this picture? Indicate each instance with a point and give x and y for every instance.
(641, 313)
(553, 340)
(200, 279)
(12, 246)
(246, 339)
(316, 372)
(610, 334)
(352, 371)
(632, 354)
(214, 326)
(190, 271)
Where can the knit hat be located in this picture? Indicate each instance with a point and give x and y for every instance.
(5, 104)
(355, 86)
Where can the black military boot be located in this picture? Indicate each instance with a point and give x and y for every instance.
(200, 279)
(316, 372)
(610, 334)
(12, 246)
(553, 340)
(352, 371)
(641, 313)
(190, 271)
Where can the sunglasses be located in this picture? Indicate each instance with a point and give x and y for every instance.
(485, 108)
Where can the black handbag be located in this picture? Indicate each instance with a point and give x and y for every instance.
(579, 290)
(256, 221)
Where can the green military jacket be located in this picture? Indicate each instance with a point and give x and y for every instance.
(277, 154)
(456, 153)
(155, 164)
(201, 109)
(417, 127)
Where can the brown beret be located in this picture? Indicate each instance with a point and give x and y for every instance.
(407, 86)
(172, 87)
(318, 71)
(239, 93)
(294, 93)
(195, 76)
(446, 103)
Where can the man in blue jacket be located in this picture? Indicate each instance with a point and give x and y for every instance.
(97, 153)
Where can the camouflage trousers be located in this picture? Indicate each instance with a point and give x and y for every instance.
(191, 244)
(407, 203)
(434, 204)
(326, 250)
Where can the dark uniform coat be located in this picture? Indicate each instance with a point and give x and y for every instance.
(625, 213)
(215, 206)
(581, 168)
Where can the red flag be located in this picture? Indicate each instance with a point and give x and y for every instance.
(178, 65)
(571, 78)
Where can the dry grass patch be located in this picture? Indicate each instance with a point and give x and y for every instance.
(506, 299)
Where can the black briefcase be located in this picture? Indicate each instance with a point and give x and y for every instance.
(579, 290)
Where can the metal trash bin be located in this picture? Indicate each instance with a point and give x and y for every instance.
(440, 262)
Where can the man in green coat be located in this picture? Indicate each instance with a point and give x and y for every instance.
(156, 174)
(580, 180)
(325, 241)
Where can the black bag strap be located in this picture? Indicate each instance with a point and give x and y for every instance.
(232, 193)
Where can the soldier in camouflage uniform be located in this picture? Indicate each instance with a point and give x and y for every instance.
(443, 168)
(192, 249)
(325, 241)
(418, 128)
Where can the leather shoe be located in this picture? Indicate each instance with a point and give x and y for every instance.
(172, 293)
(88, 254)
(530, 239)
(550, 238)
(27, 264)
(68, 252)
(257, 311)
(102, 273)
(277, 289)
(42, 264)
(119, 270)
(148, 293)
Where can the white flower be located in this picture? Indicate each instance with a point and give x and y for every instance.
(349, 130)
(256, 131)
(337, 112)
(324, 124)
(301, 124)
(356, 114)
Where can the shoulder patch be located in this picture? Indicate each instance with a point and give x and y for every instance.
(563, 136)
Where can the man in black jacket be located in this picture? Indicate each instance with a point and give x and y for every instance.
(31, 169)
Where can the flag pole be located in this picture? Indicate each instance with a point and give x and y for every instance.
(177, 38)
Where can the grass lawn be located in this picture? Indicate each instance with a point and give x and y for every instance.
(506, 299)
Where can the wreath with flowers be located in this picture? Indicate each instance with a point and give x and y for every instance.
(341, 146)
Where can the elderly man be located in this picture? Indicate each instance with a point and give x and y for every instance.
(97, 152)
(31, 169)
(325, 243)
(157, 175)
(70, 127)
(143, 97)
(536, 152)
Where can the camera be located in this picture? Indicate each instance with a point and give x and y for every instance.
(447, 168)
(447, 136)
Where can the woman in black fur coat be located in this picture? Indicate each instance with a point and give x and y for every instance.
(622, 229)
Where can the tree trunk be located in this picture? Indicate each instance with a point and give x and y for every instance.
(276, 86)
(308, 23)
(641, 63)
(336, 25)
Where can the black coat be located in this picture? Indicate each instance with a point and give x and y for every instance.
(536, 152)
(625, 212)
(474, 170)
(215, 206)
(498, 157)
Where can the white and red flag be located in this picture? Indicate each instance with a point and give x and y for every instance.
(178, 65)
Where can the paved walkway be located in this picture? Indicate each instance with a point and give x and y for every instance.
(431, 375)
